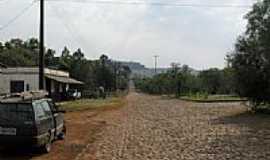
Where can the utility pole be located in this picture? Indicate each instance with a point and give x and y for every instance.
(156, 58)
(41, 47)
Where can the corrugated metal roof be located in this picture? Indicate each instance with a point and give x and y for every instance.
(64, 79)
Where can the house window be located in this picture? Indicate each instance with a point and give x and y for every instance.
(16, 86)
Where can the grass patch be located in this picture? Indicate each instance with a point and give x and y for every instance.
(213, 98)
(88, 104)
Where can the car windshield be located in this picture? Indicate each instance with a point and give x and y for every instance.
(15, 112)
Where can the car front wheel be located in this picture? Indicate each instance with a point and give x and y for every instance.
(62, 135)
(48, 147)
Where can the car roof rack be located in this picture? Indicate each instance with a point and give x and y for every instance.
(24, 96)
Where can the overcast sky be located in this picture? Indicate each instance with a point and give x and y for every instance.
(197, 36)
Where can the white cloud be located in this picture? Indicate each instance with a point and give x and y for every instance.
(199, 37)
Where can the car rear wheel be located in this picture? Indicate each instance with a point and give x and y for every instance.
(46, 148)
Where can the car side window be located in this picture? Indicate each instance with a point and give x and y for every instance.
(52, 105)
(39, 111)
(46, 108)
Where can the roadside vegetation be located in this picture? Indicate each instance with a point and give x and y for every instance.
(247, 74)
(182, 82)
(250, 61)
(92, 104)
(212, 98)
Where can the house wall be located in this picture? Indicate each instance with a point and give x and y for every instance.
(30, 76)
(30, 79)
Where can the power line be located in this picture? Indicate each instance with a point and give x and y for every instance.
(67, 27)
(156, 4)
(12, 20)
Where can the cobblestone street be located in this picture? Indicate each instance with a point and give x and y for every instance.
(157, 128)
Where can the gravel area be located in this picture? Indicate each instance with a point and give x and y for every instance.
(152, 128)
(158, 128)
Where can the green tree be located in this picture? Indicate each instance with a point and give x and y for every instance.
(8, 45)
(104, 59)
(1, 47)
(32, 44)
(78, 55)
(211, 80)
(105, 73)
(250, 60)
(16, 53)
(65, 60)
(49, 57)
(16, 43)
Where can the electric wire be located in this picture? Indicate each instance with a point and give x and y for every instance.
(16, 17)
(155, 3)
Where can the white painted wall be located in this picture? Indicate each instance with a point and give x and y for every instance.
(27, 74)
(31, 79)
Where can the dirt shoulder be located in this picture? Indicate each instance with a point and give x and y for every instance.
(82, 129)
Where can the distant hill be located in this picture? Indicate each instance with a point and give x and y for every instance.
(134, 65)
(140, 70)
(149, 72)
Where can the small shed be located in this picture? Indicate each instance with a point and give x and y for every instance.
(22, 79)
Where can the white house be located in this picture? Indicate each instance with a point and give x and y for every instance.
(13, 80)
